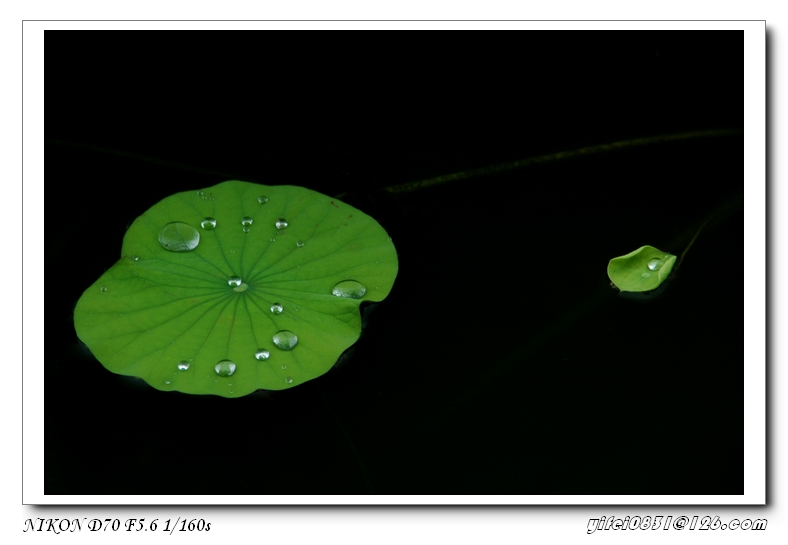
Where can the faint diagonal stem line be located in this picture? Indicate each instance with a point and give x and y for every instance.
(362, 467)
(139, 157)
(561, 155)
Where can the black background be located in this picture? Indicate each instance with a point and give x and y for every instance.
(502, 362)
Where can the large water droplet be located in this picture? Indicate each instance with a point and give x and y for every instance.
(224, 368)
(277, 308)
(183, 366)
(262, 354)
(289, 380)
(234, 281)
(350, 289)
(179, 237)
(246, 221)
(655, 264)
(281, 223)
(262, 199)
(208, 224)
(285, 340)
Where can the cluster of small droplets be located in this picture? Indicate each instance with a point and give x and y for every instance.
(284, 340)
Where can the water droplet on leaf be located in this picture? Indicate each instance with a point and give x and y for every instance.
(224, 368)
(103, 288)
(262, 354)
(183, 366)
(281, 223)
(285, 340)
(277, 308)
(289, 380)
(234, 281)
(208, 224)
(246, 221)
(262, 199)
(179, 237)
(300, 243)
(655, 264)
(350, 289)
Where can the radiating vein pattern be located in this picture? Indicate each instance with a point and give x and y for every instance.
(237, 287)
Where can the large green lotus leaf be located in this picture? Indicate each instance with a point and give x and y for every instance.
(642, 270)
(221, 317)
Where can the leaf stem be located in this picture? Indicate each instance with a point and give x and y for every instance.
(351, 444)
(561, 155)
(725, 209)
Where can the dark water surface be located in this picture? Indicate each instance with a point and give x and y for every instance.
(502, 362)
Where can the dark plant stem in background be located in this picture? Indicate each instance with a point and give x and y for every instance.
(439, 180)
(139, 157)
(722, 212)
(561, 155)
(351, 445)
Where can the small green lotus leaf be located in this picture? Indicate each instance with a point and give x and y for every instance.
(642, 270)
(236, 288)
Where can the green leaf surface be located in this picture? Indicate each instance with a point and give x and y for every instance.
(255, 304)
(642, 270)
